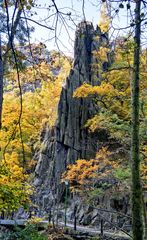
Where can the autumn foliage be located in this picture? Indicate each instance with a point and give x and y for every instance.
(14, 188)
(85, 174)
(112, 97)
(41, 86)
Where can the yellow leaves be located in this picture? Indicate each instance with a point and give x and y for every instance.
(26, 3)
(103, 153)
(105, 20)
(83, 91)
(101, 54)
(107, 96)
(143, 169)
(113, 95)
(104, 89)
(39, 107)
(4, 180)
(35, 220)
(32, 74)
(13, 187)
(11, 161)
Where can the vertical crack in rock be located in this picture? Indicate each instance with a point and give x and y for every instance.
(69, 140)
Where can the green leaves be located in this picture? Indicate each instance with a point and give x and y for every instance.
(30, 232)
(123, 174)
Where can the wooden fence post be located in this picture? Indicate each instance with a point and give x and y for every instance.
(75, 217)
(102, 232)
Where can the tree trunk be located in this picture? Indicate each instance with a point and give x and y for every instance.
(1, 83)
(136, 182)
(3, 59)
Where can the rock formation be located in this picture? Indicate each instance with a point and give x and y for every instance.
(69, 140)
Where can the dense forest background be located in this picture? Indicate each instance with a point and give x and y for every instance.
(31, 81)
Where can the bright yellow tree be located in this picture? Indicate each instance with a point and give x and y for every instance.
(14, 188)
(39, 108)
(113, 96)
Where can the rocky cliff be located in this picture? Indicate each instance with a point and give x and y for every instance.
(69, 140)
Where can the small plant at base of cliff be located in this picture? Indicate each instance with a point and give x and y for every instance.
(93, 195)
(35, 220)
(95, 238)
(85, 175)
(123, 174)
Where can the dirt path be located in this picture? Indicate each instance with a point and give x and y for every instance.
(80, 229)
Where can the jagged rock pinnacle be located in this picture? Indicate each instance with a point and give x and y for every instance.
(71, 139)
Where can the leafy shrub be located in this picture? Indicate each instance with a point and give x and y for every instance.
(122, 173)
(30, 232)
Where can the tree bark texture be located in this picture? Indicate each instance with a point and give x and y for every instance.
(136, 182)
(3, 59)
(1, 83)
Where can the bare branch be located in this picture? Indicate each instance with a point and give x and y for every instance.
(11, 38)
(40, 24)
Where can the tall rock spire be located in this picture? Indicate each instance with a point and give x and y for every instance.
(70, 139)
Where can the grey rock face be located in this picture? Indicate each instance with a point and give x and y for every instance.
(69, 140)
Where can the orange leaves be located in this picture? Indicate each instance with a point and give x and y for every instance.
(85, 173)
(81, 172)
